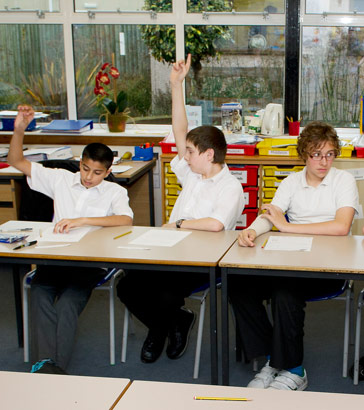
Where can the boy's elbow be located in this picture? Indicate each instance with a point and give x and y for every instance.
(343, 230)
(217, 226)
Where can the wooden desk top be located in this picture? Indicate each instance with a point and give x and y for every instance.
(19, 391)
(328, 254)
(197, 249)
(179, 396)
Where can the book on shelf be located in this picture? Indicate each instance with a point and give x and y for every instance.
(43, 154)
(68, 126)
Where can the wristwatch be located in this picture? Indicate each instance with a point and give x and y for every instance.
(179, 223)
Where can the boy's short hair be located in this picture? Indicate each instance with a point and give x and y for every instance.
(207, 136)
(314, 135)
(99, 152)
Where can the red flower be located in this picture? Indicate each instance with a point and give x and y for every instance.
(102, 91)
(104, 78)
(104, 66)
(114, 72)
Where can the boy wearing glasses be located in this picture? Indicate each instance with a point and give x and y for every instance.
(318, 200)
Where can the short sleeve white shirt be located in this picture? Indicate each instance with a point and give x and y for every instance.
(73, 200)
(306, 204)
(220, 197)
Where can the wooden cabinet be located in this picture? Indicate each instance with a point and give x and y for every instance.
(9, 199)
(170, 190)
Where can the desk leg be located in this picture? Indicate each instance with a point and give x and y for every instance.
(213, 326)
(224, 328)
(18, 303)
(151, 197)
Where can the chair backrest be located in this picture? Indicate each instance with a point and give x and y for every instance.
(35, 206)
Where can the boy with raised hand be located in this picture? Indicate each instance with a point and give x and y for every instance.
(212, 200)
(318, 200)
(59, 295)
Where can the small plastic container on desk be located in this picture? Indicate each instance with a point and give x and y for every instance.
(143, 154)
(168, 147)
(359, 152)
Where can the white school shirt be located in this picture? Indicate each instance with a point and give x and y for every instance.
(220, 197)
(307, 204)
(73, 200)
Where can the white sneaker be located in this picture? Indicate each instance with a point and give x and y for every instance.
(289, 381)
(264, 378)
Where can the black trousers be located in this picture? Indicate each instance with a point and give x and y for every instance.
(282, 340)
(155, 298)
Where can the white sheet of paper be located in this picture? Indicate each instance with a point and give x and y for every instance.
(289, 243)
(33, 235)
(117, 169)
(160, 237)
(74, 235)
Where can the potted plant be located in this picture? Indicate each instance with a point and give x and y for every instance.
(113, 103)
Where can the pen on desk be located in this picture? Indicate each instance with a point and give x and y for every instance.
(222, 398)
(265, 242)
(123, 234)
(25, 245)
(17, 230)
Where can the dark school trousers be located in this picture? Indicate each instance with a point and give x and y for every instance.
(282, 340)
(58, 296)
(155, 298)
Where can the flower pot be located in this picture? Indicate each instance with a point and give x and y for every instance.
(116, 122)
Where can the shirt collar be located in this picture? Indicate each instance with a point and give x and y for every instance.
(77, 182)
(326, 181)
(216, 177)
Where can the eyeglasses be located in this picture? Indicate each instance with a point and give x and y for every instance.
(317, 156)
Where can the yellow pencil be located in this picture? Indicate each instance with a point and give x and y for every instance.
(265, 242)
(222, 398)
(123, 234)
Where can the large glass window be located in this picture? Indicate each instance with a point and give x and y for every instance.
(236, 63)
(332, 74)
(143, 78)
(29, 5)
(334, 6)
(32, 67)
(163, 6)
(253, 6)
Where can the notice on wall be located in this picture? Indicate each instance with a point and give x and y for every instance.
(122, 44)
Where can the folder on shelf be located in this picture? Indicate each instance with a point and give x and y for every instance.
(43, 154)
(68, 126)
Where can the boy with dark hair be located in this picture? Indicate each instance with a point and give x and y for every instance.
(211, 200)
(318, 200)
(59, 295)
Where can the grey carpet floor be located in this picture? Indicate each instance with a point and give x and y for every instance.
(323, 346)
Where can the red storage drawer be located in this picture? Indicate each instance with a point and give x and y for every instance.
(246, 174)
(251, 197)
(246, 218)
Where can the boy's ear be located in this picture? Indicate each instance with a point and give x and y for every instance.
(210, 154)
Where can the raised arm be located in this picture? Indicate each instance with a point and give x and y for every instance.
(15, 155)
(179, 118)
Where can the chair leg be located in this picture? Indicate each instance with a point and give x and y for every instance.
(25, 325)
(199, 338)
(112, 324)
(357, 337)
(352, 314)
(346, 332)
(125, 335)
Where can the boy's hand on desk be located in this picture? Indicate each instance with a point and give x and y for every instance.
(24, 117)
(276, 216)
(247, 237)
(64, 225)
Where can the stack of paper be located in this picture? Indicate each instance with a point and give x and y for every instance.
(43, 154)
